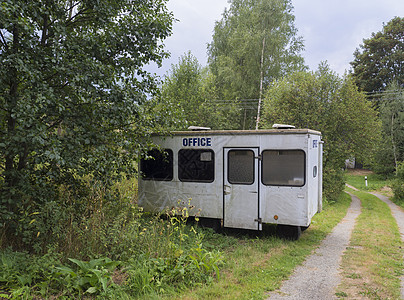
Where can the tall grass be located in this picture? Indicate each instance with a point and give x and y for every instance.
(104, 245)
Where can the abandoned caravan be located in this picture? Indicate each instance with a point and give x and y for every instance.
(237, 178)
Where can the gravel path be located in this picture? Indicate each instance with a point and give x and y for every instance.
(319, 275)
(398, 214)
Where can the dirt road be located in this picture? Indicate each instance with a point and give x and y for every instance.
(319, 275)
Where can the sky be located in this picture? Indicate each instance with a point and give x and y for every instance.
(331, 29)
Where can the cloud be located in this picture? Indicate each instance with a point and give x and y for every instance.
(331, 29)
(193, 30)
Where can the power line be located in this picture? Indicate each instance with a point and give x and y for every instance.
(385, 92)
(384, 95)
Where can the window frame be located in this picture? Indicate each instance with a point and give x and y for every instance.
(170, 155)
(212, 162)
(284, 185)
(228, 167)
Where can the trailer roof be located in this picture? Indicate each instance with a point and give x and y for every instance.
(246, 132)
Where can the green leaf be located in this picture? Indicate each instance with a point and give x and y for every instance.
(66, 271)
(92, 290)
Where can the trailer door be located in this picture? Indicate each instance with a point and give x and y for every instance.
(241, 188)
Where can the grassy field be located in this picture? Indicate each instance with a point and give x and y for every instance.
(375, 182)
(258, 263)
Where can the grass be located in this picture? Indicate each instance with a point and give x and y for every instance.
(149, 255)
(258, 263)
(166, 259)
(372, 264)
(375, 181)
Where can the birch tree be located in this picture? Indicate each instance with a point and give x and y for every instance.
(254, 43)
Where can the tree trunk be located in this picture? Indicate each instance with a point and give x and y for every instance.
(261, 79)
(392, 139)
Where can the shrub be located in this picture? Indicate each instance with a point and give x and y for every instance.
(398, 183)
(333, 183)
(156, 255)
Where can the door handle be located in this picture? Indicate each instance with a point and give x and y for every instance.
(226, 189)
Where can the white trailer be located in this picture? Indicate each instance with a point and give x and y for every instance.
(240, 179)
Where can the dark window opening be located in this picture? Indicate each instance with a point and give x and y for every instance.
(283, 167)
(240, 166)
(196, 165)
(158, 165)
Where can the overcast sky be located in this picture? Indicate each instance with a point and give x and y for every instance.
(331, 29)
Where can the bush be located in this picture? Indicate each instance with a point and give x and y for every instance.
(383, 162)
(23, 275)
(398, 183)
(156, 255)
(333, 183)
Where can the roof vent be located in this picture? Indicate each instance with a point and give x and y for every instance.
(198, 128)
(283, 126)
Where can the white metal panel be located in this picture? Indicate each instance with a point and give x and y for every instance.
(241, 201)
(313, 174)
(292, 205)
(284, 205)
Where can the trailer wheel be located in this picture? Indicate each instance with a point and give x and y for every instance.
(289, 232)
(215, 224)
(304, 228)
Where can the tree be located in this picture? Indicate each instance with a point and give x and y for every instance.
(391, 148)
(325, 102)
(254, 43)
(381, 58)
(189, 90)
(73, 93)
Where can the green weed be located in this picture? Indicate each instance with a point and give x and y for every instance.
(86, 277)
(341, 294)
(158, 254)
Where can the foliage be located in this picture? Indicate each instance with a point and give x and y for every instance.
(254, 40)
(88, 277)
(392, 118)
(398, 183)
(383, 162)
(189, 90)
(325, 102)
(333, 182)
(73, 95)
(114, 248)
(21, 273)
(375, 181)
(380, 61)
(24, 275)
